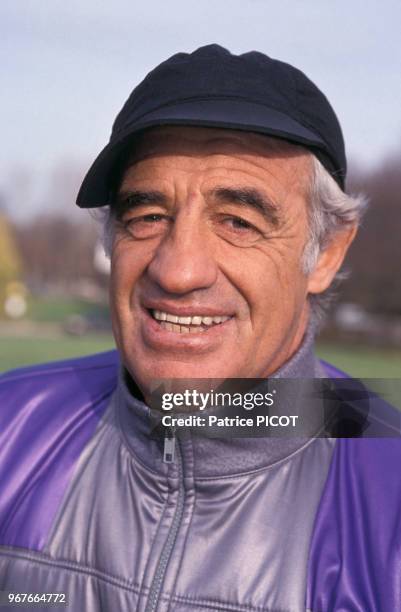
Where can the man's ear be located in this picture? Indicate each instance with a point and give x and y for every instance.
(330, 260)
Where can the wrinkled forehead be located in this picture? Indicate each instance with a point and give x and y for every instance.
(187, 140)
(198, 142)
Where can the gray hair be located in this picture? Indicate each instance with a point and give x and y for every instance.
(330, 211)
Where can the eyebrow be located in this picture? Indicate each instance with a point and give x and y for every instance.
(128, 199)
(245, 196)
(250, 198)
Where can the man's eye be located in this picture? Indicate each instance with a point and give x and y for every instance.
(237, 230)
(240, 226)
(238, 223)
(151, 218)
(146, 226)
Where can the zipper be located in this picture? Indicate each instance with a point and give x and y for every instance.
(169, 446)
(171, 451)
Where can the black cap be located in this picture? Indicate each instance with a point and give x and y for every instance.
(213, 88)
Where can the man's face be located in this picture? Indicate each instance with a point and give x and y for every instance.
(211, 230)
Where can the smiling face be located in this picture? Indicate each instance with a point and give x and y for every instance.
(206, 277)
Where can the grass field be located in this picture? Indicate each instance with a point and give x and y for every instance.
(19, 351)
(57, 310)
(362, 361)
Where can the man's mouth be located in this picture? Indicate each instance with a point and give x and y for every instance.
(187, 324)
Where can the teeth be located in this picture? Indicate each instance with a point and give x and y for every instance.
(184, 320)
(181, 329)
(180, 324)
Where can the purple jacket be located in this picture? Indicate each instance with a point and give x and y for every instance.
(88, 507)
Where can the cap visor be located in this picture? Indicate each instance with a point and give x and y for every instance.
(221, 113)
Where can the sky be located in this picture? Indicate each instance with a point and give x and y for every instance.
(67, 68)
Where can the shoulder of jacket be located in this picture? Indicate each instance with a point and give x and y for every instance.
(73, 382)
(107, 360)
(48, 414)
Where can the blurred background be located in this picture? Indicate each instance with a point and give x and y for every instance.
(66, 70)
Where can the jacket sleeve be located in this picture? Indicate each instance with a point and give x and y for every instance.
(47, 415)
(355, 555)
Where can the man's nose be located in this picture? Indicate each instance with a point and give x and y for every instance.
(184, 260)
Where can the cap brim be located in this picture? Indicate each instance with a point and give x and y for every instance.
(234, 114)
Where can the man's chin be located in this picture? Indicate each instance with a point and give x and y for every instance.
(178, 374)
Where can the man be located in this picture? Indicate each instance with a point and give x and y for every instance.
(226, 221)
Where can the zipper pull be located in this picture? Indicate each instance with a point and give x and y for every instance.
(169, 446)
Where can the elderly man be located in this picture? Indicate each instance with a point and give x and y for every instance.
(226, 223)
